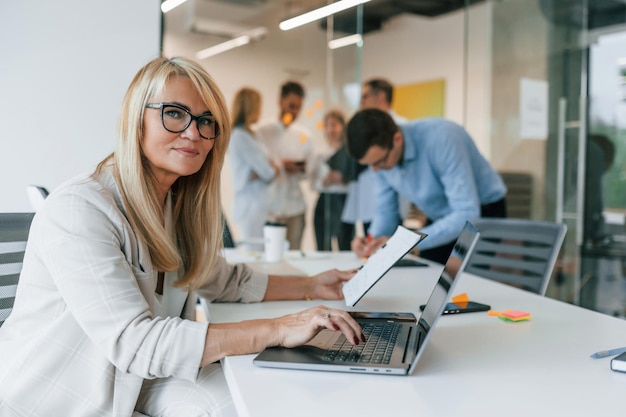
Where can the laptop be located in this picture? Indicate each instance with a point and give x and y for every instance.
(329, 350)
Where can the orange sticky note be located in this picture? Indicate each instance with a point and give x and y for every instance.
(461, 298)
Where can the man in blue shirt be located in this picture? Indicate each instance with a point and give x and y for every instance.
(434, 164)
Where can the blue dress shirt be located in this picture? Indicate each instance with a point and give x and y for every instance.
(443, 173)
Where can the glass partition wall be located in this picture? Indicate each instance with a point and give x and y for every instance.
(557, 116)
(539, 84)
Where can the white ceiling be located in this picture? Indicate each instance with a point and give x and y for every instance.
(228, 18)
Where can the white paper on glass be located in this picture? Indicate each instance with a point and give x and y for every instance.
(533, 109)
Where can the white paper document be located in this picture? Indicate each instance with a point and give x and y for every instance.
(379, 263)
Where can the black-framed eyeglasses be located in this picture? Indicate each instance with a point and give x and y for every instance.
(176, 118)
(382, 163)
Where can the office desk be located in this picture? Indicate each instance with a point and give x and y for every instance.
(474, 364)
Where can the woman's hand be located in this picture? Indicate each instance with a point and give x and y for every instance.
(333, 177)
(328, 285)
(250, 336)
(297, 329)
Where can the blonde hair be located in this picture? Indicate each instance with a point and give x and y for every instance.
(246, 106)
(197, 209)
(337, 115)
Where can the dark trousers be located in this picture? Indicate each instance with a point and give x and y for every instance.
(441, 253)
(327, 222)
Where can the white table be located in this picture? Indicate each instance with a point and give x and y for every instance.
(474, 364)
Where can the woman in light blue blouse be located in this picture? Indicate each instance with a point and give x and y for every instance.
(252, 169)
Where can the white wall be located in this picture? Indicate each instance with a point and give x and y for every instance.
(413, 49)
(64, 68)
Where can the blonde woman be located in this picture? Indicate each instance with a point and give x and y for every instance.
(103, 317)
(252, 169)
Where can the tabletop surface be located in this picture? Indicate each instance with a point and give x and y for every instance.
(473, 365)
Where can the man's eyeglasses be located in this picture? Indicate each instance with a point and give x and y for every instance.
(382, 163)
(176, 118)
(366, 94)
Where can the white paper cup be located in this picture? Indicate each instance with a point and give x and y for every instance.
(274, 235)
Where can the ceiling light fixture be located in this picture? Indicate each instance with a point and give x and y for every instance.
(168, 5)
(345, 41)
(320, 13)
(241, 40)
(223, 47)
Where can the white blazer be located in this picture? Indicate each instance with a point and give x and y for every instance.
(83, 334)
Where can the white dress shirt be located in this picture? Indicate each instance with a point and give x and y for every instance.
(248, 156)
(291, 142)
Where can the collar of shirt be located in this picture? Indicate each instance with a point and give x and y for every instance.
(409, 151)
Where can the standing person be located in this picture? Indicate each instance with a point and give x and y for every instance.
(329, 182)
(434, 164)
(103, 317)
(376, 93)
(252, 169)
(291, 144)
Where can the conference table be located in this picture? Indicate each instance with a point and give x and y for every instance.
(474, 364)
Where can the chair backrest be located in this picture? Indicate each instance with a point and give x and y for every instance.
(36, 195)
(519, 194)
(14, 229)
(518, 252)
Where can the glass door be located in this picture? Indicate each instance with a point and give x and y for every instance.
(538, 101)
(557, 116)
(603, 284)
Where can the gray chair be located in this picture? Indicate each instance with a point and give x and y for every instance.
(14, 229)
(518, 252)
(36, 195)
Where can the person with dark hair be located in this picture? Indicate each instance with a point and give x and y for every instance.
(104, 316)
(377, 93)
(252, 170)
(291, 145)
(434, 164)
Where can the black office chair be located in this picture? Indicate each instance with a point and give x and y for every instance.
(518, 252)
(14, 229)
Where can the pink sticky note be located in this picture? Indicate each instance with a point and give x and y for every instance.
(515, 314)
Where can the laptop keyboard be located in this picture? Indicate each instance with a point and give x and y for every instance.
(380, 339)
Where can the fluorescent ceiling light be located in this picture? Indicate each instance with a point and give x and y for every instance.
(345, 41)
(320, 13)
(241, 40)
(168, 5)
(223, 47)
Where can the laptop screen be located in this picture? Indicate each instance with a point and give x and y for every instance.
(443, 289)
